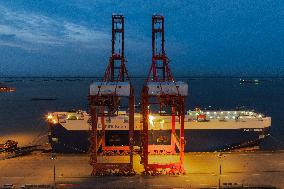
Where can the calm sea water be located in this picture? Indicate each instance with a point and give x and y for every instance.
(19, 114)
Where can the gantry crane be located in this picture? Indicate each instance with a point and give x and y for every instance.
(105, 100)
(161, 93)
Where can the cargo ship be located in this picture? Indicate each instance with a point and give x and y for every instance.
(205, 131)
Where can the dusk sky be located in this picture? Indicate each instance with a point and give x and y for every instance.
(203, 37)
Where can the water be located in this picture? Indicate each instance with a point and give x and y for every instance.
(21, 116)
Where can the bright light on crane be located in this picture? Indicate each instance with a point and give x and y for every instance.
(151, 120)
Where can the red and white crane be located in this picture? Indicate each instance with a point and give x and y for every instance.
(163, 95)
(105, 100)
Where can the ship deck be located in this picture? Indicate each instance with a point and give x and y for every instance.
(202, 170)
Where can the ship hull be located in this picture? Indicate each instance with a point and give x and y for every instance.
(196, 140)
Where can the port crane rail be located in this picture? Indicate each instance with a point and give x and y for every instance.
(168, 96)
(104, 100)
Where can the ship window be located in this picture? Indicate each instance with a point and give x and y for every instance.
(54, 139)
(72, 117)
(108, 120)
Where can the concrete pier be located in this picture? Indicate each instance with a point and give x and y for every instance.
(202, 170)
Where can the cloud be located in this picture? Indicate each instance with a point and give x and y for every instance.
(33, 31)
(84, 36)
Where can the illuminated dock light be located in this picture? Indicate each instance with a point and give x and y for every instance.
(49, 116)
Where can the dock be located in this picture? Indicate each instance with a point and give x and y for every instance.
(203, 170)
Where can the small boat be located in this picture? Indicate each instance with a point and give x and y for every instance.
(4, 88)
(249, 81)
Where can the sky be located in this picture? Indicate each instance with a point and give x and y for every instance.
(202, 37)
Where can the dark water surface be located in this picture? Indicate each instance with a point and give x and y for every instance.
(19, 114)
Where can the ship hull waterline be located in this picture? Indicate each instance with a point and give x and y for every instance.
(196, 140)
